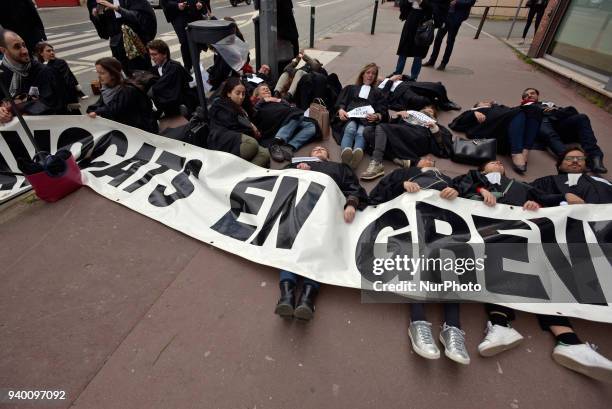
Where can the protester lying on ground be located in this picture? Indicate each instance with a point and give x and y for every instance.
(291, 75)
(231, 130)
(358, 106)
(426, 176)
(46, 54)
(411, 135)
(401, 93)
(252, 80)
(121, 100)
(572, 184)
(564, 125)
(171, 92)
(130, 22)
(514, 128)
(35, 88)
(21, 17)
(356, 198)
(414, 13)
(283, 127)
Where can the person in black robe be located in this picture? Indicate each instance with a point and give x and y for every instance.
(405, 141)
(121, 100)
(179, 13)
(171, 92)
(21, 17)
(348, 131)
(515, 129)
(35, 88)
(565, 125)
(231, 130)
(416, 95)
(108, 19)
(413, 13)
(356, 199)
(572, 184)
(283, 127)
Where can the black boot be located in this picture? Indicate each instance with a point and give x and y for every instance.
(429, 63)
(305, 307)
(284, 306)
(596, 165)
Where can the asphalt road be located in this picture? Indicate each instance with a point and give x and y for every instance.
(76, 41)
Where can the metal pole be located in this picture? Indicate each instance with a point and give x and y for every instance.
(482, 20)
(312, 26)
(257, 43)
(374, 17)
(518, 9)
(268, 35)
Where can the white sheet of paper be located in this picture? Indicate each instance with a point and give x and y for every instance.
(361, 112)
(255, 79)
(298, 159)
(116, 3)
(307, 113)
(364, 92)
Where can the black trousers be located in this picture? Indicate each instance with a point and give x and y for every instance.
(450, 29)
(180, 28)
(545, 321)
(538, 12)
(574, 128)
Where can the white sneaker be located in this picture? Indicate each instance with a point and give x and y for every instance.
(585, 359)
(346, 156)
(453, 340)
(498, 339)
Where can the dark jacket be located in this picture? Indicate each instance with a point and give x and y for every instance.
(408, 141)
(413, 18)
(346, 180)
(130, 107)
(189, 14)
(269, 117)
(22, 17)
(70, 81)
(285, 23)
(349, 99)
(392, 185)
(137, 14)
(588, 188)
(415, 95)
(51, 89)
(172, 88)
(460, 12)
(227, 125)
(509, 191)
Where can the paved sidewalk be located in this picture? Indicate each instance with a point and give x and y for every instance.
(122, 312)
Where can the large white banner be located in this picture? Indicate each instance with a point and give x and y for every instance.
(417, 245)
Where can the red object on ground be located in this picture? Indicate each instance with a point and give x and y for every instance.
(53, 188)
(57, 3)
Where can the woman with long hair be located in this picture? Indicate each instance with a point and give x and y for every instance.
(231, 129)
(45, 53)
(121, 100)
(349, 124)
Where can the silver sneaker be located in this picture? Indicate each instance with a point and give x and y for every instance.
(375, 169)
(422, 340)
(453, 340)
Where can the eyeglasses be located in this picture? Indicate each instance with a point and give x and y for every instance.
(574, 158)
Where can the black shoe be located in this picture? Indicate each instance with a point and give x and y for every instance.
(184, 111)
(289, 97)
(450, 106)
(284, 306)
(441, 67)
(287, 152)
(520, 169)
(276, 152)
(429, 63)
(305, 307)
(276, 94)
(596, 165)
(82, 95)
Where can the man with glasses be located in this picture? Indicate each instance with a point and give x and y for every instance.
(34, 87)
(565, 125)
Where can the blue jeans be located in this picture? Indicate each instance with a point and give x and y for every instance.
(353, 136)
(297, 132)
(414, 70)
(522, 132)
(289, 276)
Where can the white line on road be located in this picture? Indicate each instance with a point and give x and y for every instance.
(476, 29)
(59, 35)
(78, 40)
(68, 25)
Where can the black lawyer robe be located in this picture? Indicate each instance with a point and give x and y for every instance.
(130, 107)
(227, 125)
(392, 185)
(22, 17)
(269, 117)
(345, 178)
(408, 141)
(70, 81)
(415, 95)
(413, 18)
(588, 188)
(172, 88)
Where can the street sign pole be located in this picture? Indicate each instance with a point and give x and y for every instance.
(268, 35)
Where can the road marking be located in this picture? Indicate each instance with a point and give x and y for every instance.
(87, 38)
(59, 35)
(482, 32)
(86, 48)
(68, 25)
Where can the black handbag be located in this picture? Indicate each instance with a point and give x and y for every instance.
(474, 151)
(424, 34)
